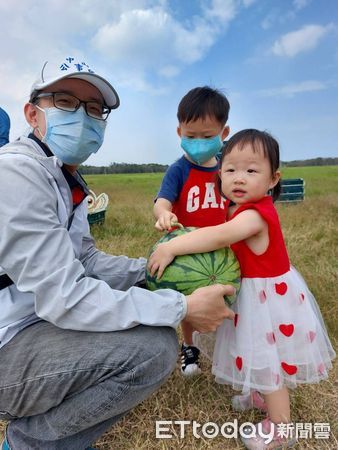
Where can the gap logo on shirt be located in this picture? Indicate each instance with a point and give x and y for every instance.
(195, 200)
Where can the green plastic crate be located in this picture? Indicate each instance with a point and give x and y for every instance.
(293, 190)
(96, 218)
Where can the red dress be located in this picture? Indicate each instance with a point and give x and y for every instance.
(278, 336)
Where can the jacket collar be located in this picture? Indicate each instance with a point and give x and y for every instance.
(76, 183)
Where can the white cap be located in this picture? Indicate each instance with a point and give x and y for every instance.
(69, 67)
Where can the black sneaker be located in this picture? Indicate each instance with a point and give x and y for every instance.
(189, 360)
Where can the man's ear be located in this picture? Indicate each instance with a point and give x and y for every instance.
(179, 132)
(225, 132)
(31, 114)
(274, 179)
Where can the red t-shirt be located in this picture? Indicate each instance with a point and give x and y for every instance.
(193, 193)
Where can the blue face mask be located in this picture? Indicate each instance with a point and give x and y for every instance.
(72, 136)
(201, 150)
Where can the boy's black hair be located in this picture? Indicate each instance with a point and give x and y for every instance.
(201, 102)
(258, 140)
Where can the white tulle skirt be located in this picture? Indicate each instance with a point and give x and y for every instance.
(278, 337)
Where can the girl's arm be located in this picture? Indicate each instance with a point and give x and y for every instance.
(247, 224)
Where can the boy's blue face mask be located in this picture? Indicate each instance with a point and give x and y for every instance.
(72, 136)
(201, 150)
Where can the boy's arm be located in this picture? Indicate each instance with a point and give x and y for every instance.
(169, 192)
(247, 224)
(164, 215)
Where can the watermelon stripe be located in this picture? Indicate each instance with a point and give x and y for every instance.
(182, 282)
(225, 261)
(199, 258)
(188, 268)
(233, 265)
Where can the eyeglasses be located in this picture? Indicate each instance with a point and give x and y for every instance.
(67, 102)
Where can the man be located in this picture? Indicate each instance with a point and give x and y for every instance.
(81, 344)
(4, 127)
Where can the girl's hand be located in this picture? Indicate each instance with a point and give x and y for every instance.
(160, 259)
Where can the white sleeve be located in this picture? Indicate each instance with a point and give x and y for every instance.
(120, 272)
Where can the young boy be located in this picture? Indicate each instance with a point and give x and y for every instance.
(187, 194)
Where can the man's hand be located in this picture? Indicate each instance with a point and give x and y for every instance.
(206, 308)
(160, 259)
(166, 221)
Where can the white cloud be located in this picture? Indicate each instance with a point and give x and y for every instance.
(302, 40)
(138, 83)
(290, 90)
(268, 21)
(140, 45)
(222, 10)
(151, 40)
(138, 36)
(280, 15)
(225, 10)
(169, 71)
(300, 4)
(192, 45)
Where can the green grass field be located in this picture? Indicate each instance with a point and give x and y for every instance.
(310, 230)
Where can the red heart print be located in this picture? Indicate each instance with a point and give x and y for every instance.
(321, 369)
(281, 288)
(287, 330)
(236, 319)
(262, 296)
(289, 368)
(270, 337)
(239, 363)
(311, 335)
(301, 298)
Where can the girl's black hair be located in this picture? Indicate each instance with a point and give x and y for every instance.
(258, 140)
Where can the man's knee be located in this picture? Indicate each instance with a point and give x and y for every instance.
(166, 347)
(158, 349)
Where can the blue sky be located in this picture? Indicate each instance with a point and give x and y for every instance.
(276, 60)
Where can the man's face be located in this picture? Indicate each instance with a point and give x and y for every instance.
(81, 89)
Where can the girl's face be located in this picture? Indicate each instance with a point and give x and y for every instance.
(246, 175)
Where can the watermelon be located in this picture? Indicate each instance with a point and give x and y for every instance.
(189, 272)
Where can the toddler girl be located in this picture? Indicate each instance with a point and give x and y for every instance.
(277, 339)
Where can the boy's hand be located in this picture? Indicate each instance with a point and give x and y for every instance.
(160, 259)
(206, 308)
(166, 221)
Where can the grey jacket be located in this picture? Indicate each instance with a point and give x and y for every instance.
(59, 275)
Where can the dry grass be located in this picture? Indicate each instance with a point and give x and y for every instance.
(310, 230)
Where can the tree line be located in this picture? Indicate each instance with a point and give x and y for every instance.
(122, 168)
(153, 167)
(311, 162)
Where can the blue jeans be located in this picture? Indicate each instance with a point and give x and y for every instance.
(62, 389)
